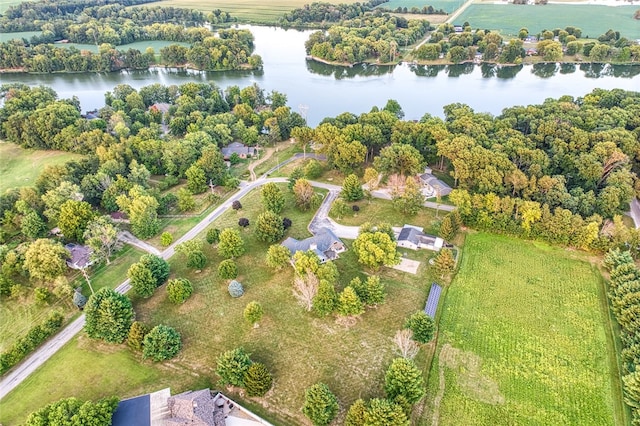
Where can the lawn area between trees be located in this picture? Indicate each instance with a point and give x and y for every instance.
(21, 167)
(524, 338)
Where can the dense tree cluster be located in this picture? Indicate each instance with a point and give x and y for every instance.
(624, 297)
(367, 38)
(320, 14)
(73, 412)
(235, 368)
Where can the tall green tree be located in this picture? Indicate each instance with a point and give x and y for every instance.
(179, 290)
(196, 179)
(352, 188)
(356, 414)
(142, 280)
(74, 218)
(232, 366)
(422, 326)
(32, 225)
(326, 299)
(404, 379)
(231, 244)
(401, 159)
(278, 256)
(161, 343)
(349, 304)
(102, 236)
(382, 412)
(45, 260)
(269, 227)
(272, 197)
(158, 266)
(257, 380)
(193, 251)
(410, 200)
(320, 404)
(375, 249)
(108, 316)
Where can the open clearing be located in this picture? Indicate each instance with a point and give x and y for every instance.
(594, 20)
(20, 167)
(523, 339)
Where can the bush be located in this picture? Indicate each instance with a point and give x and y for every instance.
(422, 325)
(253, 312)
(34, 337)
(179, 290)
(320, 404)
(286, 223)
(234, 159)
(257, 380)
(166, 239)
(355, 208)
(313, 169)
(236, 205)
(235, 289)
(79, 300)
(232, 367)
(213, 235)
(243, 222)
(162, 342)
(42, 295)
(228, 269)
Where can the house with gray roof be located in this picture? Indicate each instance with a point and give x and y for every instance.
(325, 244)
(433, 185)
(79, 256)
(413, 238)
(238, 148)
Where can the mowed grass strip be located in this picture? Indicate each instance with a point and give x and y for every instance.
(522, 339)
(594, 20)
(20, 167)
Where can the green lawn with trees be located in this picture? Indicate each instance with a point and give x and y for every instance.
(594, 20)
(524, 338)
(448, 6)
(21, 167)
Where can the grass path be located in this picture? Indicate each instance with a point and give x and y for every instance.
(267, 154)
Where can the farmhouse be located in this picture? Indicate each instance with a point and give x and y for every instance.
(413, 238)
(325, 244)
(433, 185)
(238, 148)
(193, 408)
(80, 256)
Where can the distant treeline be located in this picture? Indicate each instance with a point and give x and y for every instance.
(319, 13)
(231, 50)
(426, 10)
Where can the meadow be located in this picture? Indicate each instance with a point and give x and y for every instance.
(20, 167)
(524, 338)
(298, 347)
(594, 20)
(448, 6)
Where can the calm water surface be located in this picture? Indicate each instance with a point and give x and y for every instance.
(327, 90)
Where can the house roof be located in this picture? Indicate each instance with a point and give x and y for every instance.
(133, 412)
(193, 407)
(432, 301)
(238, 148)
(321, 241)
(435, 183)
(415, 235)
(80, 256)
(161, 106)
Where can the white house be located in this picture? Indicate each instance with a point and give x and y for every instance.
(413, 238)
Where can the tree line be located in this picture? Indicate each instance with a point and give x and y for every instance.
(231, 50)
(322, 14)
(374, 36)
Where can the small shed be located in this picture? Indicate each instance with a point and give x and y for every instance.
(431, 306)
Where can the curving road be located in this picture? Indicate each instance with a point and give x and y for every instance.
(46, 351)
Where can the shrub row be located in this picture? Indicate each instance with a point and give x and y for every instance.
(30, 341)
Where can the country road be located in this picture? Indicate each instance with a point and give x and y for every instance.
(47, 350)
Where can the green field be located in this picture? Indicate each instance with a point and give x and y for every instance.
(20, 167)
(446, 5)
(594, 20)
(246, 10)
(139, 45)
(524, 338)
(4, 37)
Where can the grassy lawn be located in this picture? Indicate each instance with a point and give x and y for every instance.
(299, 348)
(382, 210)
(285, 151)
(4, 37)
(20, 167)
(112, 275)
(139, 45)
(446, 5)
(523, 340)
(245, 10)
(594, 20)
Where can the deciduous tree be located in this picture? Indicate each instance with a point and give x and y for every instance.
(375, 249)
(269, 227)
(400, 159)
(45, 260)
(231, 244)
(232, 367)
(305, 288)
(405, 345)
(161, 343)
(304, 194)
(102, 236)
(272, 197)
(179, 290)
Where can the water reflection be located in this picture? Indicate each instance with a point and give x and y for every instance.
(460, 69)
(426, 70)
(544, 70)
(341, 72)
(567, 68)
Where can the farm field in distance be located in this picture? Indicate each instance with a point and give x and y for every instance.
(448, 6)
(20, 167)
(594, 20)
(524, 338)
(245, 10)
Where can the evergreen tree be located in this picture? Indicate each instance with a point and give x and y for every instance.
(32, 225)
(278, 256)
(257, 380)
(349, 303)
(352, 188)
(403, 378)
(136, 335)
(269, 227)
(375, 290)
(356, 414)
(447, 229)
(272, 198)
(253, 312)
(227, 269)
(326, 300)
(361, 289)
(232, 366)
(422, 326)
(161, 343)
(231, 244)
(320, 404)
(142, 280)
(444, 262)
(179, 290)
(158, 266)
(383, 412)
(213, 235)
(108, 316)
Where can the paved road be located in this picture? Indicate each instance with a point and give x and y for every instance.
(127, 237)
(46, 351)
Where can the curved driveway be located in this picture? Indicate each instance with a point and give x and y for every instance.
(46, 351)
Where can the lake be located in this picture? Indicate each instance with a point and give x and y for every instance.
(325, 90)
